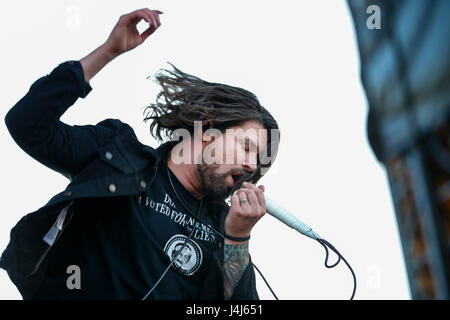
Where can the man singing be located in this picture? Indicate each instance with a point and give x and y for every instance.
(137, 222)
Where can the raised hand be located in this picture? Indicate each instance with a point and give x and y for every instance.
(125, 36)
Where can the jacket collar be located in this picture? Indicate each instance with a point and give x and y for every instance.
(163, 150)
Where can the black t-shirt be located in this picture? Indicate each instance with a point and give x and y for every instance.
(121, 246)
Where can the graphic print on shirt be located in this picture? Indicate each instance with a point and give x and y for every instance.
(202, 231)
(189, 259)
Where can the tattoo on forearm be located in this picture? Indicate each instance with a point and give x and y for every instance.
(236, 259)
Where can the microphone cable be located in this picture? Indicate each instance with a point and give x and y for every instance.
(186, 240)
(327, 245)
(252, 177)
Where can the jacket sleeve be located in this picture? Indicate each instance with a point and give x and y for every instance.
(34, 122)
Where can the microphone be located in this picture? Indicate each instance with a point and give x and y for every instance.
(275, 210)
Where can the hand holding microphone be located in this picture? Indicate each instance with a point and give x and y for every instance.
(247, 207)
(249, 204)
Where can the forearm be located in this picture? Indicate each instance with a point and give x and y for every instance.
(34, 121)
(96, 60)
(247, 207)
(38, 112)
(236, 260)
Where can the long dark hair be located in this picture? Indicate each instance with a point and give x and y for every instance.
(185, 98)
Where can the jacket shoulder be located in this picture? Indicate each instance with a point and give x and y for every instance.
(115, 125)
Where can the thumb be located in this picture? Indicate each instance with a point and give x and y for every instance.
(147, 33)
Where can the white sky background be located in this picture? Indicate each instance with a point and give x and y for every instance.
(299, 57)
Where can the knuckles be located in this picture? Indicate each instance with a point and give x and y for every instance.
(237, 211)
(249, 211)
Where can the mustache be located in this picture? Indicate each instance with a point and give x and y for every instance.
(246, 176)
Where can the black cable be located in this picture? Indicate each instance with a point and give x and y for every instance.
(327, 245)
(267, 284)
(170, 264)
(200, 207)
(327, 256)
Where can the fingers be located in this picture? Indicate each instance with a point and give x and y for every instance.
(134, 17)
(157, 19)
(154, 17)
(154, 23)
(247, 207)
(235, 201)
(243, 201)
(258, 192)
(146, 34)
(252, 199)
(151, 16)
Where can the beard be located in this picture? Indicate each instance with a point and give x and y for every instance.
(213, 184)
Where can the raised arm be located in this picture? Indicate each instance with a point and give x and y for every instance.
(124, 37)
(34, 121)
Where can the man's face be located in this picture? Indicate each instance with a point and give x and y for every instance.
(230, 155)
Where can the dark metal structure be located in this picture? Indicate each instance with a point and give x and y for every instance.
(405, 71)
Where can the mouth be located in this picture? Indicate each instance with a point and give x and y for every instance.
(236, 175)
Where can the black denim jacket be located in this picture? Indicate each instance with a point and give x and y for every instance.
(103, 160)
